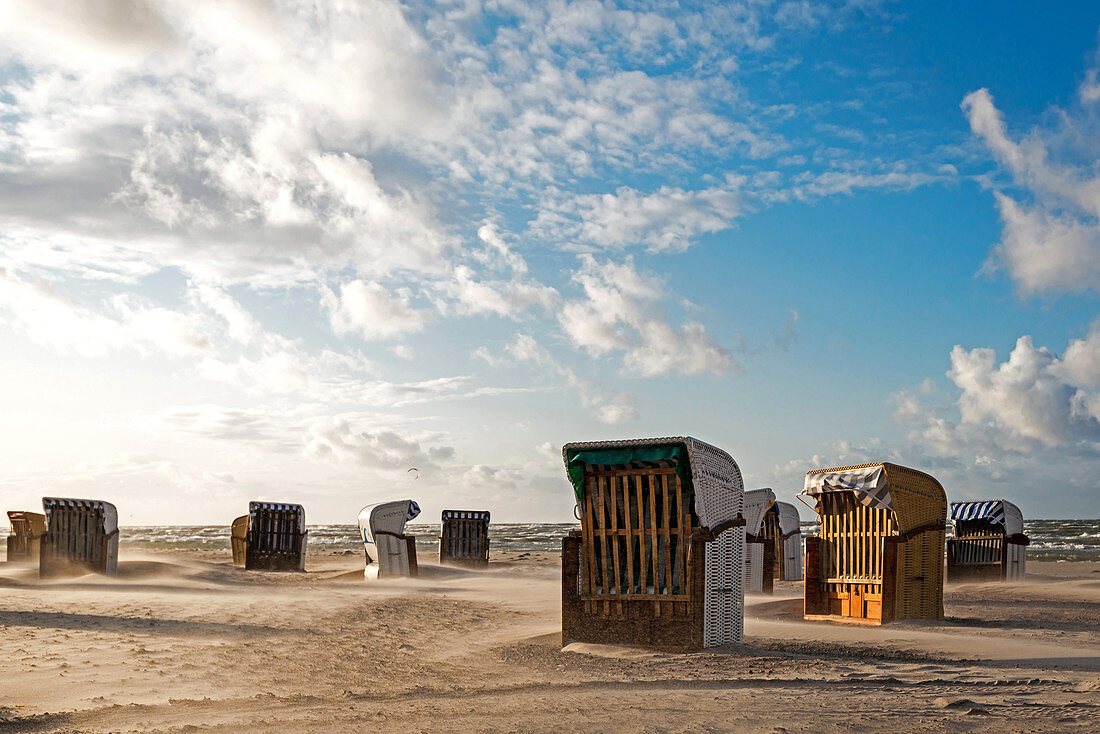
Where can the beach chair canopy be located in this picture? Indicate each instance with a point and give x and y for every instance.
(388, 517)
(757, 502)
(789, 521)
(995, 512)
(255, 507)
(33, 522)
(707, 473)
(109, 513)
(868, 482)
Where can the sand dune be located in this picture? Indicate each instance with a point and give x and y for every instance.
(180, 640)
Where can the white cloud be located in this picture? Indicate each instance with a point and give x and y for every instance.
(666, 220)
(619, 313)
(336, 439)
(368, 310)
(1054, 244)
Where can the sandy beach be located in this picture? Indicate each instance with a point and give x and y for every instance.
(183, 641)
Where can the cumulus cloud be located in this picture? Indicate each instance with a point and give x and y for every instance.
(1053, 243)
(337, 440)
(1034, 400)
(619, 313)
(368, 310)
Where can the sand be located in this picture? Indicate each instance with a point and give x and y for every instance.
(186, 642)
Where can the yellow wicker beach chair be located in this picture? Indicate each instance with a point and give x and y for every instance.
(464, 538)
(81, 537)
(238, 540)
(658, 559)
(879, 554)
(989, 542)
(27, 529)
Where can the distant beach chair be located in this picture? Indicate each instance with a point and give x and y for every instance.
(238, 540)
(658, 558)
(464, 538)
(389, 551)
(27, 529)
(759, 553)
(783, 530)
(879, 554)
(989, 542)
(81, 536)
(276, 537)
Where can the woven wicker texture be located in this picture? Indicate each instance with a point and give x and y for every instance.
(918, 500)
(718, 497)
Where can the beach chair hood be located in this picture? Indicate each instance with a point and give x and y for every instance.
(789, 521)
(757, 502)
(995, 512)
(110, 514)
(868, 482)
(708, 472)
(389, 517)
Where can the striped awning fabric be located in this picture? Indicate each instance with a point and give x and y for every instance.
(992, 511)
(414, 510)
(869, 484)
(255, 506)
(464, 514)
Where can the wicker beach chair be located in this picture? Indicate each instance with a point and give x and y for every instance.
(759, 553)
(238, 540)
(464, 538)
(276, 537)
(390, 552)
(658, 559)
(27, 529)
(879, 554)
(989, 542)
(81, 537)
(782, 526)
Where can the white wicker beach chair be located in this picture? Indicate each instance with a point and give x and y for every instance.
(389, 551)
(658, 558)
(757, 502)
(790, 544)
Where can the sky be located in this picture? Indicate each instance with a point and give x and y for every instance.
(291, 250)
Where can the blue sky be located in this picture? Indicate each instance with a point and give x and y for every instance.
(289, 250)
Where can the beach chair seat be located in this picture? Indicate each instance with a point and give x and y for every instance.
(81, 537)
(879, 553)
(276, 537)
(989, 542)
(658, 557)
(390, 552)
(464, 538)
(27, 529)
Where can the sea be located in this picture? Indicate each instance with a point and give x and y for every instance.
(1051, 540)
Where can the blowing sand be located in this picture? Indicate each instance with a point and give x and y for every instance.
(187, 642)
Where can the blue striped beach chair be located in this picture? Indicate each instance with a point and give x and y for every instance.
(276, 537)
(464, 538)
(81, 537)
(989, 542)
